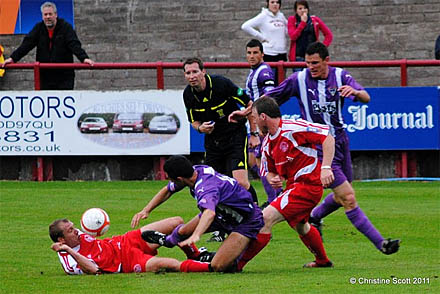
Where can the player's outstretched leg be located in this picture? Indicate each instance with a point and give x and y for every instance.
(364, 225)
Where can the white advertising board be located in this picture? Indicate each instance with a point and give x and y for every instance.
(93, 123)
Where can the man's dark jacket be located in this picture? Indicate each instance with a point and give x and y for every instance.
(65, 43)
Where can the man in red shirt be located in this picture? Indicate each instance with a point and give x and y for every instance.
(289, 153)
(81, 253)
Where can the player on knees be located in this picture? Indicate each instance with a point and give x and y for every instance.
(224, 205)
(81, 253)
(289, 153)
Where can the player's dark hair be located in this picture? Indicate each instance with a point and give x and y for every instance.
(178, 166)
(55, 231)
(193, 60)
(317, 47)
(255, 43)
(267, 3)
(268, 106)
(301, 2)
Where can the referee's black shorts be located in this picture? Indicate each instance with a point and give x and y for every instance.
(228, 153)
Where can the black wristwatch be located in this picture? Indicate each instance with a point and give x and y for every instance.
(256, 134)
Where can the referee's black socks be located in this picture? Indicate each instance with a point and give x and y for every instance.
(253, 193)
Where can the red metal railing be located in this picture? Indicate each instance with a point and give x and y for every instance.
(401, 164)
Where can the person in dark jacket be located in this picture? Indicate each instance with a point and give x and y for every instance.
(56, 42)
(437, 48)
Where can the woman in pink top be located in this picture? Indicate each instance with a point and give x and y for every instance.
(303, 30)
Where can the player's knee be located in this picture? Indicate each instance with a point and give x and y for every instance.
(349, 201)
(219, 266)
(176, 220)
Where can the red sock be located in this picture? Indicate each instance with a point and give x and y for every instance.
(193, 266)
(313, 241)
(253, 249)
(191, 251)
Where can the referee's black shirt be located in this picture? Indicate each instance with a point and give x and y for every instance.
(219, 99)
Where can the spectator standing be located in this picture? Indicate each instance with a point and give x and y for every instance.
(2, 59)
(56, 42)
(437, 48)
(270, 27)
(303, 29)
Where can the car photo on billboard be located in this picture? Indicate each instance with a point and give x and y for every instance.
(94, 125)
(128, 122)
(163, 124)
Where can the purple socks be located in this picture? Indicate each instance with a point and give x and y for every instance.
(363, 224)
(326, 207)
(174, 238)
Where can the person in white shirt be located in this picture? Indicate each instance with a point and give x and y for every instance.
(270, 27)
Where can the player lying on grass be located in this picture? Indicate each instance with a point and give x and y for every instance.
(81, 253)
(224, 204)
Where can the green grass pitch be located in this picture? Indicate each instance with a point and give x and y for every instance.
(406, 210)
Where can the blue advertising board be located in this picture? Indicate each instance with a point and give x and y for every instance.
(403, 118)
(29, 14)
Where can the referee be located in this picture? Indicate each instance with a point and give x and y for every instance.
(209, 99)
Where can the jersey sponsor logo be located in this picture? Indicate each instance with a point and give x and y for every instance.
(137, 268)
(326, 107)
(220, 112)
(284, 146)
(313, 129)
(332, 91)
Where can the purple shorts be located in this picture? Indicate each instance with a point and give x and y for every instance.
(341, 164)
(249, 227)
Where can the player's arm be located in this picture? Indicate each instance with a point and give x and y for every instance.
(205, 221)
(86, 265)
(361, 95)
(163, 195)
(254, 139)
(328, 150)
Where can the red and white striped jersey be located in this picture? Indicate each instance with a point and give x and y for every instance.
(291, 152)
(105, 253)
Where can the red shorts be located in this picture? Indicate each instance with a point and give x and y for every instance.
(135, 252)
(295, 204)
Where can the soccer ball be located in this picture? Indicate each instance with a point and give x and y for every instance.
(95, 222)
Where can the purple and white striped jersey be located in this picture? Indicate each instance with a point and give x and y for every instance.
(259, 81)
(319, 100)
(213, 189)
